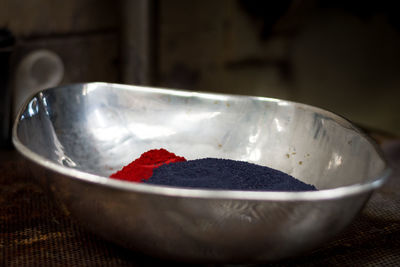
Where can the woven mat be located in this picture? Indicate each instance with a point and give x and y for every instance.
(33, 232)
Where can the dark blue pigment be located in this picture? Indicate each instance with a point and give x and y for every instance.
(212, 173)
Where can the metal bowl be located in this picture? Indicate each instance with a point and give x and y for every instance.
(77, 135)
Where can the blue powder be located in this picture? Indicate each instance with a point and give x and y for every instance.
(212, 173)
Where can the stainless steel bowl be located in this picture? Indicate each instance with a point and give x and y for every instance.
(77, 135)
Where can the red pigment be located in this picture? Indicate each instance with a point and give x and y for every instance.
(142, 168)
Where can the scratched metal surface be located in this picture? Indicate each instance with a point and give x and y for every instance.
(75, 135)
(34, 232)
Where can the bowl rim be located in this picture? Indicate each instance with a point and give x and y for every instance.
(323, 194)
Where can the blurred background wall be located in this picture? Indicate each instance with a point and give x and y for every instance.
(340, 55)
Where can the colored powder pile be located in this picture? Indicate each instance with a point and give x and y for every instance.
(154, 167)
(142, 168)
(212, 173)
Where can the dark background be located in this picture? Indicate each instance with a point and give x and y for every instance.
(339, 55)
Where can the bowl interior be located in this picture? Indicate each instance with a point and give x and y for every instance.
(98, 128)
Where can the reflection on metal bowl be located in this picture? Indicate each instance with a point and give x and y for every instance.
(75, 136)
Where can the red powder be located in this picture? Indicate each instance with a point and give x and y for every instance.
(142, 168)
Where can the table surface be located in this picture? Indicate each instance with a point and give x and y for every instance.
(34, 232)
